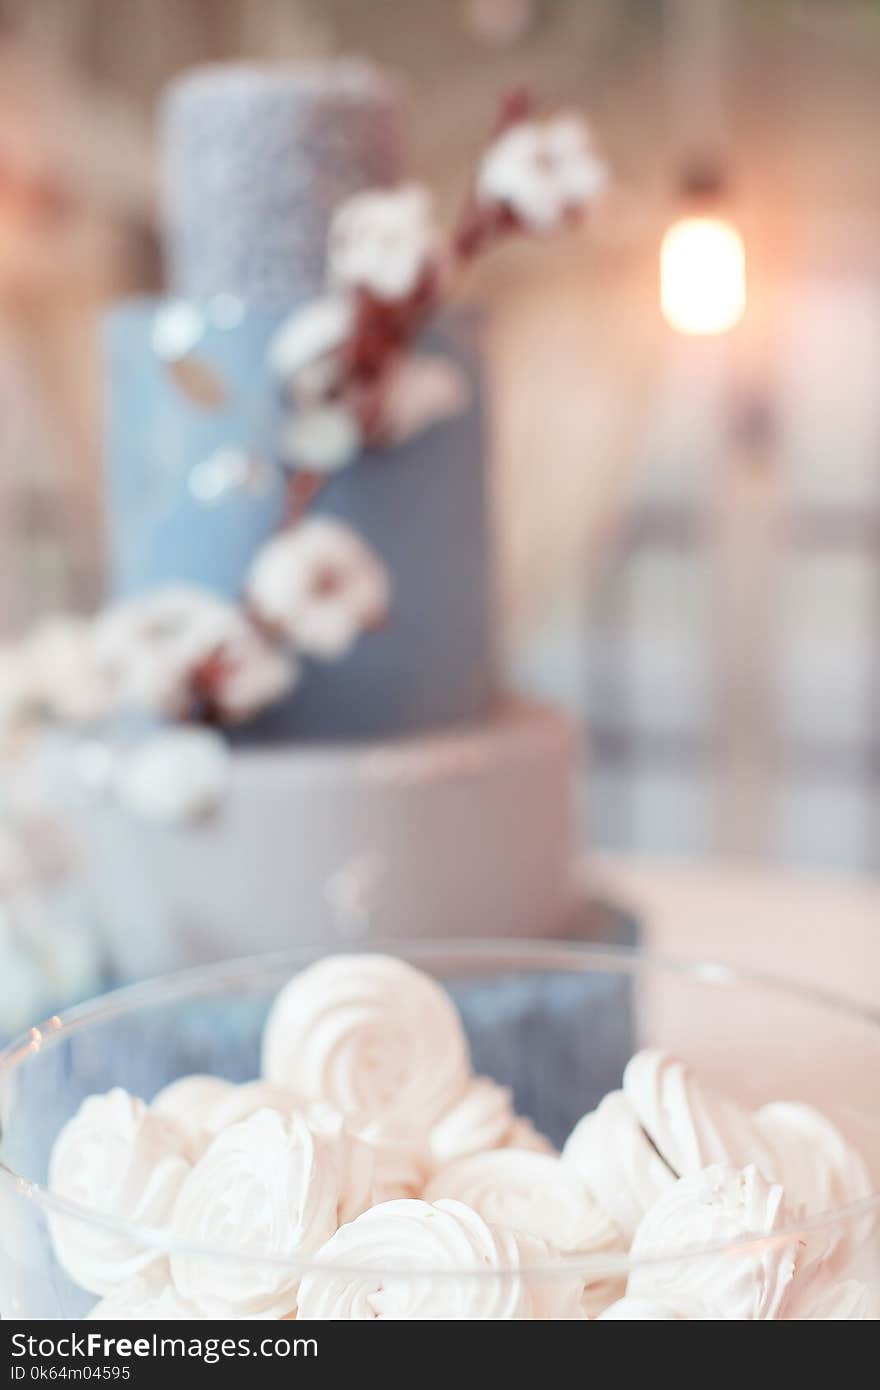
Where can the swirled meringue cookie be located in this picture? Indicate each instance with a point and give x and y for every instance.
(146, 1298)
(718, 1205)
(118, 1158)
(407, 1250)
(240, 1102)
(827, 1300)
(524, 1135)
(206, 1105)
(691, 1125)
(539, 1195)
(531, 1192)
(268, 1186)
(373, 1037)
(481, 1118)
(356, 1162)
(189, 1102)
(621, 1168)
(818, 1168)
(641, 1310)
(401, 1165)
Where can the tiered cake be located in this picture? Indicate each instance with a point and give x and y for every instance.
(396, 790)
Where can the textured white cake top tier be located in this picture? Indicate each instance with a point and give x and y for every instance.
(255, 158)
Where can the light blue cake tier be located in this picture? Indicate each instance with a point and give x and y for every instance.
(255, 158)
(194, 489)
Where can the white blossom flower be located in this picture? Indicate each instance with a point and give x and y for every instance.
(311, 334)
(321, 586)
(383, 241)
(175, 776)
(320, 438)
(17, 695)
(251, 673)
(541, 172)
(64, 676)
(117, 1158)
(178, 647)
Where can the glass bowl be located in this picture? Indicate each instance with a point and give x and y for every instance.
(556, 1022)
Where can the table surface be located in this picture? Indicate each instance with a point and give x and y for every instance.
(810, 928)
(818, 932)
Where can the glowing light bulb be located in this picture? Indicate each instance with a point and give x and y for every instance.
(702, 275)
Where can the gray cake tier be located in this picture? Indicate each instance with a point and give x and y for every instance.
(256, 158)
(194, 490)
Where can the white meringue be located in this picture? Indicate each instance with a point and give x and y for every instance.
(374, 1037)
(189, 1101)
(238, 1103)
(530, 1192)
(356, 1160)
(716, 1206)
(641, 1310)
(690, 1124)
(214, 1105)
(144, 1299)
(538, 1195)
(524, 1135)
(816, 1165)
(620, 1166)
(481, 1118)
(400, 1163)
(118, 1158)
(266, 1186)
(827, 1300)
(424, 1244)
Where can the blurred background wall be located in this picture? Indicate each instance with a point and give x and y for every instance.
(688, 528)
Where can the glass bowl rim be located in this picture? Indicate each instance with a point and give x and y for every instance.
(547, 954)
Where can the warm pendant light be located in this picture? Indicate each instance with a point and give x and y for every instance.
(702, 263)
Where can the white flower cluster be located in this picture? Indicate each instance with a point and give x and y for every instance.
(319, 586)
(182, 653)
(345, 359)
(382, 251)
(541, 173)
(47, 958)
(368, 1168)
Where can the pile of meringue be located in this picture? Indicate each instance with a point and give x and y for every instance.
(370, 1174)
